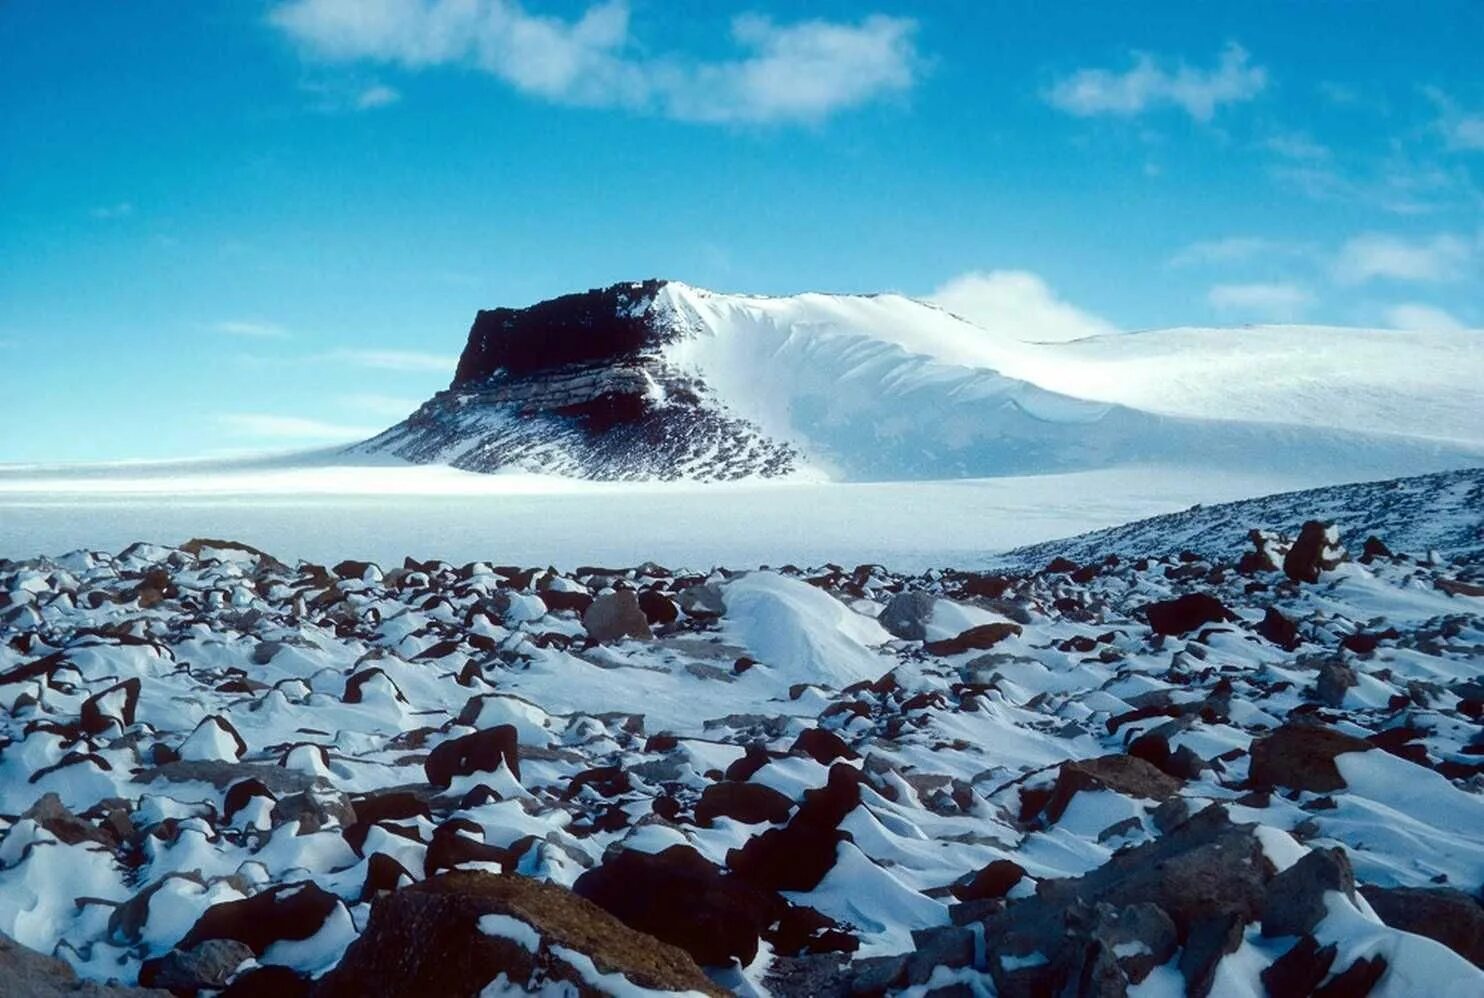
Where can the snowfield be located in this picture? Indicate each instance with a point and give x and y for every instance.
(319, 506)
(1253, 767)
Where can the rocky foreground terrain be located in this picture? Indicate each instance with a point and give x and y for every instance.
(1252, 767)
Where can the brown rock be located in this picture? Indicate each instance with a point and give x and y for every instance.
(1123, 774)
(616, 616)
(974, 639)
(1301, 757)
(425, 939)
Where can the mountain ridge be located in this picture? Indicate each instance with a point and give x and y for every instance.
(658, 379)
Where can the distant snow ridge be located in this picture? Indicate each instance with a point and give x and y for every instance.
(662, 380)
(1442, 512)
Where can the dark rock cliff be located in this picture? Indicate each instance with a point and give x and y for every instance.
(579, 386)
(600, 326)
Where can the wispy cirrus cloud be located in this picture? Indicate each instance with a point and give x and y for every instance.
(801, 71)
(1298, 146)
(269, 426)
(335, 96)
(1235, 249)
(1462, 129)
(251, 329)
(1149, 84)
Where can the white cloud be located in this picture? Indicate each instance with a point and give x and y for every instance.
(795, 72)
(1017, 303)
(1423, 319)
(1147, 85)
(376, 95)
(1279, 302)
(264, 425)
(254, 330)
(395, 360)
(1232, 249)
(389, 406)
(108, 212)
(338, 95)
(1461, 129)
(1297, 146)
(1373, 255)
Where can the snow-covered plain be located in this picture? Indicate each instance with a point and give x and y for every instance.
(319, 508)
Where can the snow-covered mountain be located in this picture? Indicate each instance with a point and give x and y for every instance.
(664, 380)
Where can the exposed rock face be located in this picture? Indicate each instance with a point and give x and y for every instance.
(458, 933)
(577, 386)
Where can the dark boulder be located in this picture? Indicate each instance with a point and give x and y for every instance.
(1122, 774)
(616, 616)
(1301, 757)
(1294, 901)
(1450, 916)
(993, 881)
(1299, 971)
(427, 939)
(824, 747)
(658, 608)
(1186, 613)
(749, 803)
(1279, 629)
(979, 638)
(113, 706)
(797, 856)
(287, 911)
(480, 752)
(721, 916)
(1316, 550)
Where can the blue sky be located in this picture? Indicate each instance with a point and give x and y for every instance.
(255, 225)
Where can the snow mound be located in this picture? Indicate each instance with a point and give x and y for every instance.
(803, 633)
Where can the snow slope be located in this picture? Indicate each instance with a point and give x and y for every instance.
(1442, 512)
(885, 387)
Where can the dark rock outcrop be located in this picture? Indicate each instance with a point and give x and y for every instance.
(578, 385)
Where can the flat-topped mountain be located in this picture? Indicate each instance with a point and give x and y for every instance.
(661, 380)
